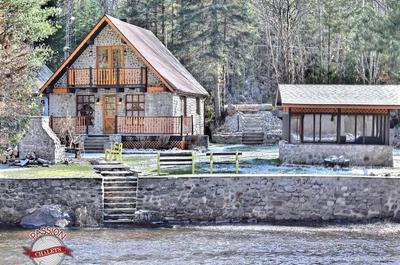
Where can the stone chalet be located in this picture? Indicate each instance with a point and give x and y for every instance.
(122, 83)
(348, 120)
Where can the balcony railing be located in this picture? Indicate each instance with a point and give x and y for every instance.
(172, 125)
(93, 77)
(65, 125)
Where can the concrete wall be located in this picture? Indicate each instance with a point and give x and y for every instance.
(41, 140)
(249, 198)
(20, 197)
(359, 155)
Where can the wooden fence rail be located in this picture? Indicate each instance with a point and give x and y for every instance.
(60, 124)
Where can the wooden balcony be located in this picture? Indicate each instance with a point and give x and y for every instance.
(106, 77)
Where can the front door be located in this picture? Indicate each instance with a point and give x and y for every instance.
(109, 113)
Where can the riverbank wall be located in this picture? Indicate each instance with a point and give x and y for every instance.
(20, 197)
(266, 198)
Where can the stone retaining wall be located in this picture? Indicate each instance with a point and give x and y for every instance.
(41, 140)
(20, 197)
(359, 155)
(268, 198)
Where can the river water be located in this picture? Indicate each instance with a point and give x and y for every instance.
(238, 244)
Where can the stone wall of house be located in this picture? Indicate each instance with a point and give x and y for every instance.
(41, 140)
(266, 198)
(108, 37)
(62, 105)
(359, 155)
(21, 197)
(191, 110)
(158, 104)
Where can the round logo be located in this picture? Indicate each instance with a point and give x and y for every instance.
(47, 250)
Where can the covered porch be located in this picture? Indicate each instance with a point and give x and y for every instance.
(350, 122)
(124, 125)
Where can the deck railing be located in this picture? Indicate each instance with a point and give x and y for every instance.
(89, 77)
(178, 125)
(173, 125)
(60, 125)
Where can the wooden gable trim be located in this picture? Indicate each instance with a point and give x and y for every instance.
(73, 54)
(138, 54)
(88, 38)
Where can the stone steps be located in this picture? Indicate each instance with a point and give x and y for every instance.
(119, 192)
(253, 138)
(95, 143)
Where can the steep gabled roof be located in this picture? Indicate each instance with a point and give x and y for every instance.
(149, 49)
(339, 95)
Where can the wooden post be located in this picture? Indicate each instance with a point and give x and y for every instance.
(193, 162)
(158, 164)
(51, 122)
(237, 162)
(90, 77)
(181, 125)
(116, 124)
(211, 163)
(118, 76)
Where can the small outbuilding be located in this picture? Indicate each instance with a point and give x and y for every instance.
(352, 121)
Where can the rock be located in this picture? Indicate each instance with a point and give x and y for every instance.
(231, 109)
(145, 217)
(49, 215)
(83, 217)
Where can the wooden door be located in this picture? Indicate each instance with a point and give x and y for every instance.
(109, 113)
(109, 59)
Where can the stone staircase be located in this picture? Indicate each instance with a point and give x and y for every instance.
(95, 143)
(253, 129)
(119, 192)
(253, 138)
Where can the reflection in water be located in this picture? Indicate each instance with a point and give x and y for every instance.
(255, 244)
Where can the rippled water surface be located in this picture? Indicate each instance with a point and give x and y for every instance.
(255, 244)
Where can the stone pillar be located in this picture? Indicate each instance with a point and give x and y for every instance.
(285, 126)
(41, 140)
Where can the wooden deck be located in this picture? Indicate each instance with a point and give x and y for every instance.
(169, 125)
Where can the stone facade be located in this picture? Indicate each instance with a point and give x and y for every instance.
(41, 140)
(359, 155)
(21, 197)
(266, 198)
(156, 104)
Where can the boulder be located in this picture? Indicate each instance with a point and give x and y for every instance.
(145, 217)
(231, 109)
(49, 215)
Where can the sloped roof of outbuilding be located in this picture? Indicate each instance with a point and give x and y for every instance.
(339, 95)
(148, 48)
(41, 77)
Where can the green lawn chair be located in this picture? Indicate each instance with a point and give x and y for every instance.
(115, 153)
